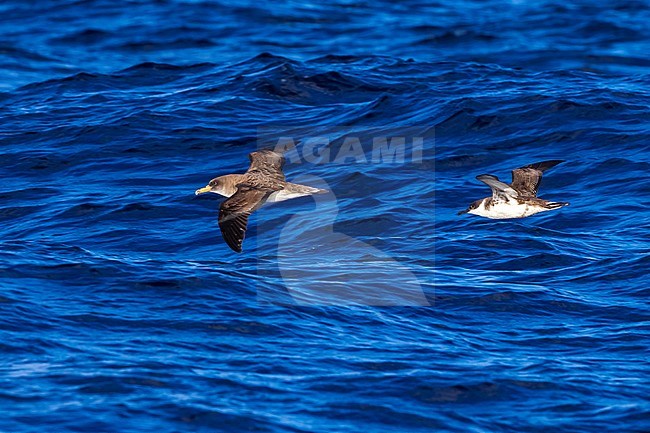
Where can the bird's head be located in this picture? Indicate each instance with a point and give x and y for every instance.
(472, 207)
(216, 186)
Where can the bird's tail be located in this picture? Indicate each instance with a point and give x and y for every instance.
(556, 204)
(307, 190)
(294, 190)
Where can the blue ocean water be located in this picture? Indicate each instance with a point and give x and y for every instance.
(122, 309)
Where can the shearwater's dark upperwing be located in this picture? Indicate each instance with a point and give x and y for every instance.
(526, 180)
(500, 190)
(267, 163)
(234, 213)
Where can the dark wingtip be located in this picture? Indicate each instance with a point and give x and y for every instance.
(232, 243)
(235, 248)
(545, 165)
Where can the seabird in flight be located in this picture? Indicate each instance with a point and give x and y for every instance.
(517, 200)
(263, 182)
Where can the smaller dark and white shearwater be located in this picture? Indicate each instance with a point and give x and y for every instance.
(263, 182)
(517, 200)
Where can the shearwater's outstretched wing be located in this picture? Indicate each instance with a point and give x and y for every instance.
(267, 163)
(234, 213)
(526, 180)
(500, 191)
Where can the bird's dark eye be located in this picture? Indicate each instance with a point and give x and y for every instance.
(213, 182)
